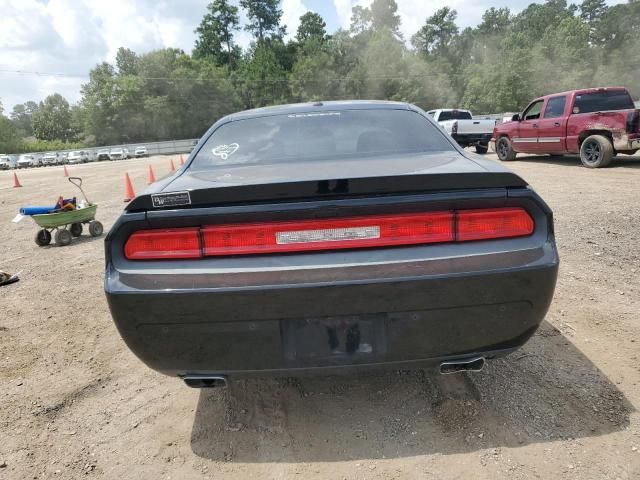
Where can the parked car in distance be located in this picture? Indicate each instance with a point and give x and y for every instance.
(329, 236)
(5, 162)
(466, 130)
(51, 158)
(79, 156)
(103, 155)
(119, 154)
(25, 161)
(596, 123)
(140, 152)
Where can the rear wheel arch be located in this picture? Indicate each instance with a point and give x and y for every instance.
(588, 133)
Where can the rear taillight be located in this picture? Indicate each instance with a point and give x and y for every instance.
(487, 224)
(329, 234)
(159, 244)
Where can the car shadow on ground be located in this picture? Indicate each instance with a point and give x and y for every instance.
(621, 161)
(547, 391)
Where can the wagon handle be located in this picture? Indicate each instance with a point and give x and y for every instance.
(77, 181)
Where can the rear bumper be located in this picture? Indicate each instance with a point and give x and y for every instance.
(472, 138)
(421, 319)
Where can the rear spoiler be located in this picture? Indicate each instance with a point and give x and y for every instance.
(206, 194)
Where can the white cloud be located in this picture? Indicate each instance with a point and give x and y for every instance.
(292, 10)
(72, 36)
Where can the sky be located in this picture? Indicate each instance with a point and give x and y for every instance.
(69, 37)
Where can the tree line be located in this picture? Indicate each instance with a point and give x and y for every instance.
(494, 67)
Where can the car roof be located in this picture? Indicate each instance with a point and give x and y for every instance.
(320, 106)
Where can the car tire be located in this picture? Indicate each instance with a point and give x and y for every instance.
(76, 229)
(63, 237)
(95, 228)
(505, 150)
(596, 151)
(43, 238)
(482, 149)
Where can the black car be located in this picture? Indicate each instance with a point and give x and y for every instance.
(329, 236)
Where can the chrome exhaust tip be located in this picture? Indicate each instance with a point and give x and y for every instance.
(205, 381)
(474, 364)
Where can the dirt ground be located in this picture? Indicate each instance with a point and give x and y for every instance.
(75, 403)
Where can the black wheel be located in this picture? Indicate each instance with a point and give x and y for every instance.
(76, 229)
(596, 151)
(63, 237)
(43, 238)
(504, 149)
(482, 149)
(95, 228)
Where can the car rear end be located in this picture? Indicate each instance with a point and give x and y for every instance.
(408, 259)
(5, 162)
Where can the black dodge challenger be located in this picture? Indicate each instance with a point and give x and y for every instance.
(329, 236)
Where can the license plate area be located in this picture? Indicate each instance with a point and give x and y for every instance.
(342, 339)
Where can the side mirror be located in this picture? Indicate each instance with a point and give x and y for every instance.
(515, 118)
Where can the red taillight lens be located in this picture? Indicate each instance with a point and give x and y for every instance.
(498, 223)
(159, 244)
(329, 234)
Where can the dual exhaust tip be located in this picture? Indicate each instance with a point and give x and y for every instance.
(474, 364)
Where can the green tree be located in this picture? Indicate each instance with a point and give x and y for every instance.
(312, 26)
(495, 21)
(22, 115)
(437, 34)
(126, 61)
(215, 34)
(264, 17)
(52, 119)
(360, 20)
(384, 14)
(9, 138)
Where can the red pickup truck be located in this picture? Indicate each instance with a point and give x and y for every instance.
(597, 123)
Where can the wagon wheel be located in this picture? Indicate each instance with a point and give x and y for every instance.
(76, 229)
(43, 238)
(63, 237)
(95, 228)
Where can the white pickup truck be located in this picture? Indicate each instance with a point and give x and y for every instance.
(464, 129)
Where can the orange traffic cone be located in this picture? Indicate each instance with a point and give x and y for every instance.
(16, 182)
(172, 167)
(66, 174)
(181, 161)
(152, 177)
(129, 194)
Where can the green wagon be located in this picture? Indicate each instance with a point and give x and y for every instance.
(67, 224)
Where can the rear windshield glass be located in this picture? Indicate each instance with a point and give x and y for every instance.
(454, 115)
(320, 135)
(602, 101)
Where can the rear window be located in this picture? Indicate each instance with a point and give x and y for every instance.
(320, 135)
(454, 115)
(602, 101)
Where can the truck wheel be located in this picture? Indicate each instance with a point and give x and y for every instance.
(504, 149)
(596, 151)
(482, 149)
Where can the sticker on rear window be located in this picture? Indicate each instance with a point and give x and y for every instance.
(172, 199)
(225, 151)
